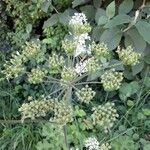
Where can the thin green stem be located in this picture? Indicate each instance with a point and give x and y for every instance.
(81, 83)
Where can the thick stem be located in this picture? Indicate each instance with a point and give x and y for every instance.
(68, 101)
(65, 137)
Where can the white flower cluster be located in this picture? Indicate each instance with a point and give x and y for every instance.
(90, 65)
(78, 18)
(92, 143)
(80, 29)
(81, 67)
(81, 45)
(74, 148)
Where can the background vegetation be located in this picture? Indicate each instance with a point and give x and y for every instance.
(116, 23)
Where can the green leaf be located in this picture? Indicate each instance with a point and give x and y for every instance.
(118, 20)
(125, 89)
(144, 29)
(100, 17)
(147, 54)
(147, 82)
(126, 6)
(51, 21)
(110, 10)
(146, 112)
(130, 103)
(102, 20)
(137, 68)
(135, 87)
(133, 38)
(89, 11)
(128, 89)
(111, 37)
(64, 17)
(97, 3)
(44, 145)
(147, 147)
(76, 3)
(46, 5)
(29, 28)
(117, 64)
(96, 33)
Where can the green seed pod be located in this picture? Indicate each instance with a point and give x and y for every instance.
(55, 63)
(67, 75)
(111, 80)
(105, 146)
(36, 76)
(102, 118)
(100, 50)
(86, 94)
(128, 56)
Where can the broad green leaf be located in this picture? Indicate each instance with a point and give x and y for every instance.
(137, 68)
(144, 29)
(96, 33)
(146, 112)
(46, 5)
(89, 11)
(126, 6)
(110, 10)
(29, 28)
(128, 89)
(147, 147)
(118, 20)
(65, 16)
(117, 65)
(100, 17)
(133, 38)
(102, 20)
(76, 3)
(147, 54)
(147, 82)
(111, 37)
(135, 87)
(51, 21)
(125, 90)
(130, 103)
(97, 3)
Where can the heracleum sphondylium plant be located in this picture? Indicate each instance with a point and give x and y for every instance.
(82, 59)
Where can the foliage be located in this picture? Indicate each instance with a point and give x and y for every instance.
(69, 71)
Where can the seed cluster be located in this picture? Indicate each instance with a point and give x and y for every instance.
(111, 80)
(67, 75)
(55, 63)
(63, 113)
(32, 51)
(100, 50)
(60, 111)
(86, 94)
(36, 108)
(14, 67)
(69, 46)
(92, 65)
(36, 76)
(105, 116)
(128, 56)
(105, 146)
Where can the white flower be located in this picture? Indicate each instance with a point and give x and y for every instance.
(81, 67)
(92, 143)
(78, 18)
(74, 149)
(81, 45)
